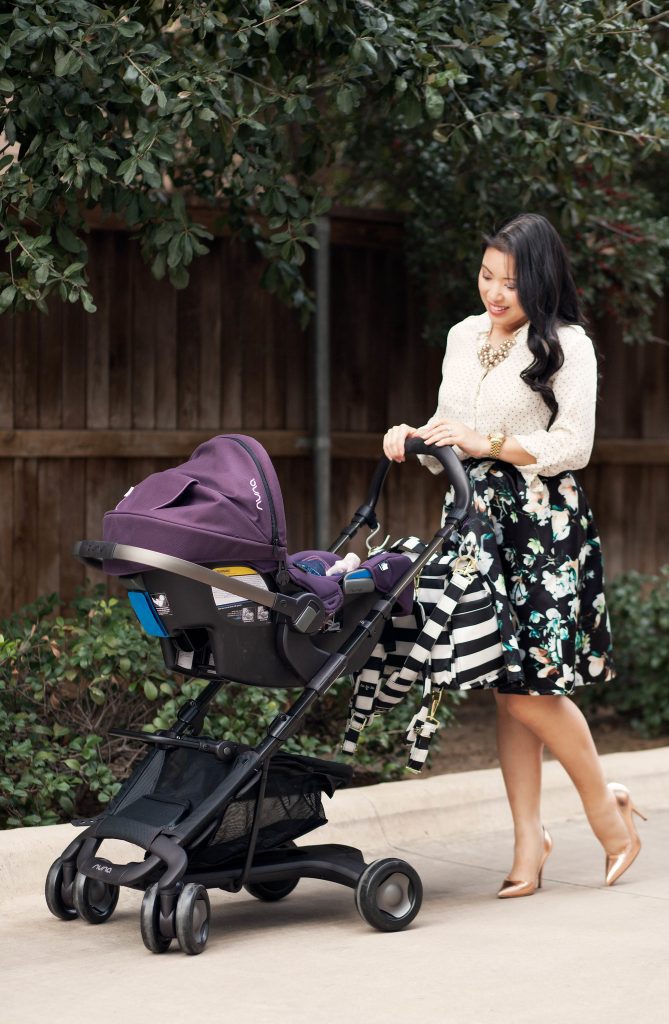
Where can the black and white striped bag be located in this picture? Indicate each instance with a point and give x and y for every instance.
(451, 641)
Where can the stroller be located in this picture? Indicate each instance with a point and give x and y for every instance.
(229, 604)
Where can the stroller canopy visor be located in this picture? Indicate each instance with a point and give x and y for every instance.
(223, 504)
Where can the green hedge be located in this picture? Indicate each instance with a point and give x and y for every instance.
(66, 679)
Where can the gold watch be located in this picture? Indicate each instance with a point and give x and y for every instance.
(496, 442)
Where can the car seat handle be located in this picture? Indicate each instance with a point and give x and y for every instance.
(306, 611)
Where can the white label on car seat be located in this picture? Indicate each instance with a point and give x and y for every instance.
(223, 598)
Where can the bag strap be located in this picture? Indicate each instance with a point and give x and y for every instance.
(373, 695)
(364, 695)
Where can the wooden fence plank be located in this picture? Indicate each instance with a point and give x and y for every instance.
(72, 373)
(209, 338)
(26, 332)
(144, 346)
(72, 524)
(50, 498)
(165, 353)
(26, 524)
(118, 308)
(7, 373)
(99, 331)
(49, 368)
(7, 514)
(231, 407)
(188, 358)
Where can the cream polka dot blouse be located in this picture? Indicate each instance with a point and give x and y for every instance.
(498, 401)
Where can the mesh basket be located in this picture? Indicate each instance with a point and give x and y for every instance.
(291, 807)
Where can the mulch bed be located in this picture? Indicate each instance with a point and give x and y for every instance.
(470, 743)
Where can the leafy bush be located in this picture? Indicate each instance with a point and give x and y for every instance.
(639, 609)
(65, 680)
(459, 113)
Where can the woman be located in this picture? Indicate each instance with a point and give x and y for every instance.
(517, 402)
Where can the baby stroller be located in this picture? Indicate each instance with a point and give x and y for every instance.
(229, 604)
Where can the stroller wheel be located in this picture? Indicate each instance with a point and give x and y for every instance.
(270, 892)
(95, 901)
(192, 918)
(58, 899)
(149, 922)
(389, 894)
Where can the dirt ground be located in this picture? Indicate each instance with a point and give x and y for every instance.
(470, 743)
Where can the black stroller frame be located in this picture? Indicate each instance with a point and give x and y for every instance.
(388, 892)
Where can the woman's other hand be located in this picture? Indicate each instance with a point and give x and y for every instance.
(451, 432)
(394, 440)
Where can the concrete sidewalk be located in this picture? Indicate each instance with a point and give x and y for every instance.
(576, 950)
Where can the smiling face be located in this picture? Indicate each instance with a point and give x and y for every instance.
(498, 290)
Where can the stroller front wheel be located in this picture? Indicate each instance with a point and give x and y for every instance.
(389, 894)
(149, 922)
(192, 918)
(59, 896)
(95, 901)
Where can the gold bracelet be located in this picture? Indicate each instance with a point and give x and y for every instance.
(496, 442)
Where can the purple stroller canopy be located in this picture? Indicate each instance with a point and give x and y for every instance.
(223, 504)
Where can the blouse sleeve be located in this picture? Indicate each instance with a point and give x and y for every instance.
(568, 444)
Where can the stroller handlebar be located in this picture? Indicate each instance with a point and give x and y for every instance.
(413, 446)
(453, 469)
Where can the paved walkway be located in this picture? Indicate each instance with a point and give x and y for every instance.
(575, 951)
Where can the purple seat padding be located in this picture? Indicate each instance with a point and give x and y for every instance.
(386, 570)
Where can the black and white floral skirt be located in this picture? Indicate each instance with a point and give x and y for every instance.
(539, 547)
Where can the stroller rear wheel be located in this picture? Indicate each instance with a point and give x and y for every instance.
(192, 918)
(94, 900)
(149, 922)
(270, 892)
(59, 896)
(389, 894)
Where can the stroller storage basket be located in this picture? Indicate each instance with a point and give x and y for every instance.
(291, 807)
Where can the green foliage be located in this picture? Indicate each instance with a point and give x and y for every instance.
(66, 679)
(62, 681)
(551, 108)
(460, 113)
(639, 609)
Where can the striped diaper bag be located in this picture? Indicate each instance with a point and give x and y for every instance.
(450, 641)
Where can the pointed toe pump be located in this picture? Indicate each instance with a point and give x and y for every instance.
(618, 863)
(511, 889)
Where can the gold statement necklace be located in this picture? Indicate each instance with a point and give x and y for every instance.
(489, 356)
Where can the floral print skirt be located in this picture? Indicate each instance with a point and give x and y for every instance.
(539, 548)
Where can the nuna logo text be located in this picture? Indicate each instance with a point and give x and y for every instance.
(254, 488)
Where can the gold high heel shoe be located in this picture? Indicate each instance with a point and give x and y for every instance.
(511, 889)
(618, 863)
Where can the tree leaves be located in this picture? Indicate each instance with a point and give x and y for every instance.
(456, 112)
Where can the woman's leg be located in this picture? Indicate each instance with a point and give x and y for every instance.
(520, 752)
(560, 725)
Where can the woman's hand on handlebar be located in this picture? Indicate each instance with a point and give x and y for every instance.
(394, 440)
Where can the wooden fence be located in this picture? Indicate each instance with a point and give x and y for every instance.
(91, 404)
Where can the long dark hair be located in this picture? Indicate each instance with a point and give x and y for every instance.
(546, 291)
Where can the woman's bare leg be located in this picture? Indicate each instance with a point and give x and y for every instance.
(560, 725)
(520, 752)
